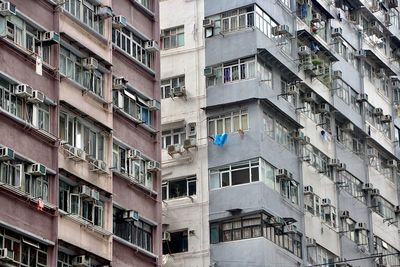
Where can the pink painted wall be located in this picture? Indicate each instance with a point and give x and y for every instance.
(127, 257)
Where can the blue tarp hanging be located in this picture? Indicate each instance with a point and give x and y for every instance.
(220, 139)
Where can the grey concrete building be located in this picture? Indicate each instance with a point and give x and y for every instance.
(302, 107)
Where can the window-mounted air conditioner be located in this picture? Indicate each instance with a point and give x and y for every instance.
(154, 105)
(6, 255)
(363, 97)
(75, 153)
(37, 169)
(333, 162)
(90, 63)
(130, 215)
(368, 187)
(208, 23)
(174, 149)
(344, 214)
(134, 154)
(23, 90)
(360, 226)
(316, 17)
(337, 74)
(360, 54)
(178, 91)
(326, 202)
(189, 143)
(291, 89)
(85, 191)
(7, 9)
(284, 174)
(81, 261)
(6, 154)
(119, 22)
(94, 194)
(308, 190)
(153, 166)
(310, 97)
(392, 163)
(337, 32)
(348, 127)
(120, 83)
(304, 51)
(166, 236)
(375, 192)
(50, 37)
(151, 46)
(290, 229)
(386, 119)
(104, 12)
(323, 108)
(99, 166)
(37, 97)
(280, 30)
(377, 112)
(341, 167)
(372, 152)
(209, 71)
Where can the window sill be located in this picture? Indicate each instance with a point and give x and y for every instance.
(85, 27)
(19, 192)
(82, 222)
(184, 199)
(135, 247)
(134, 120)
(27, 53)
(145, 10)
(149, 70)
(134, 182)
(84, 89)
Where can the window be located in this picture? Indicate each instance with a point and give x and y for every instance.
(168, 84)
(83, 135)
(347, 228)
(146, 3)
(71, 66)
(173, 137)
(354, 103)
(133, 45)
(173, 38)
(27, 252)
(343, 48)
(15, 173)
(137, 232)
(253, 226)
(177, 244)
(228, 123)
(27, 37)
(312, 204)
(318, 160)
(384, 208)
(383, 248)
(88, 209)
(351, 185)
(277, 131)
(36, 114)
(134, 168)
(84, 11)
(318, 254)
(241, 69)
(179, 188)
(342, 90)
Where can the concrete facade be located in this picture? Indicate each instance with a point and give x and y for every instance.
(95, 66)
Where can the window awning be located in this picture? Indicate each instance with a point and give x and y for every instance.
(274, 61)
(376, 59)
(173, 124)
(307, 37)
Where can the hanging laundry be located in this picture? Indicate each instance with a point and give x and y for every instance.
(220, 139)
(303, 11)
(314, 47)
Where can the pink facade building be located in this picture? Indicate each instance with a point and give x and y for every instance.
(79, 133)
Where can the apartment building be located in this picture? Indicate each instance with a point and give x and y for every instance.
(303, 132)
(79, 153)
(184, 135)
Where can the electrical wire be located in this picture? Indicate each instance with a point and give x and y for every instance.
(357, 259)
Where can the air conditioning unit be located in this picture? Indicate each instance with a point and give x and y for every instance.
(375, 26)
(333, 162)
(375, 192)
(284, 174)
(304, 51)
(386, 118)
(8, 9)
(392, 163)
(368, 187)
(290, 229)
(316, 17)
(154, 105)
(174, 149)
(341, 167)
(76, 153)
(6, 255)
(344, 214)
(209, 71)
(392, 3)
(372, 152)
(310, 97)
(37, 169)
(178, 91)
(134, 154)
(377, 112)
(99, 166)
(90, 63)
(151, 46)
(326, 202)
(153, 166)
(130, 215)
(360, 226)
(348, 127)
(363, 97)
(353, 17)
(189, 143)
(81, 261)
(291, 89)
(208, 23)
(306, 140)
(119, 22)
(50, 37)
(104, 12)
(23, 90)
(360, 54)
(166, 236)
(308, 190)
(280, 30)
(94, 194)
(337, 32)
(323, 108)
(120, 83)
(396, 84)
(37, 97)
(387, 19)
(298, 135)
(311, 242)
(6, 154)
(85, 191)
(337, 74)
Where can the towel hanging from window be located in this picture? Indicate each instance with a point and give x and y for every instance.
(220, 139)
